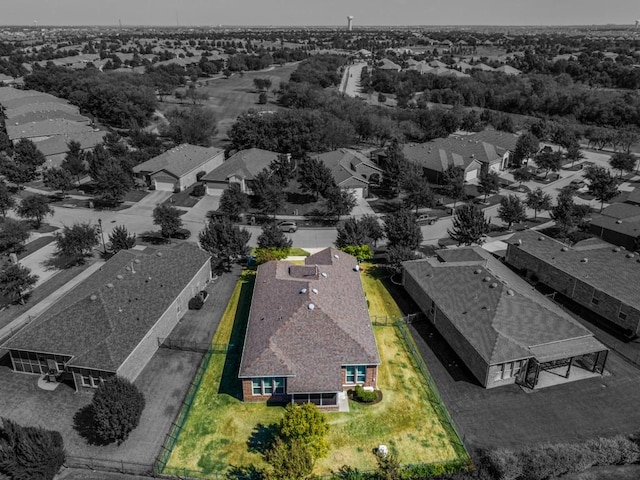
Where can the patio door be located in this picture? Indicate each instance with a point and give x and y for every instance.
(528, 376)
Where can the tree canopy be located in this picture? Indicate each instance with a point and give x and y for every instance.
(359, 231)
(233, 202)
(315, 177)
(120, 239)
(34, 207)
(538, 200)
(223, 240)
(195, 125)
(511, 210)
(77, 241)
(602, 185)
(15, 281)
(167, 217)
(469, 225)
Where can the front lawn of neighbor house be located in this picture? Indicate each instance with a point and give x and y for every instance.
(222, 432)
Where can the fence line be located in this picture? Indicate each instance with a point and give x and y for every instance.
(193, 346)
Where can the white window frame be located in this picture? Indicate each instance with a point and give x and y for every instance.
(276, 386)
(355, 374)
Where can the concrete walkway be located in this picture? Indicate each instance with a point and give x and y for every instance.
(36, 263)
(40, 307)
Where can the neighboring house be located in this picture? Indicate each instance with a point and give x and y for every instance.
(601, 277)
(240, 168)
(508, 70)
(55, 148)
(503, 331)
(36, 131)
(634, 197)
(178, 168)
(421, 68)
(111, 322)
(618, 224)
(386, 64)
(435, 158)
(309, 337)
(351, 170)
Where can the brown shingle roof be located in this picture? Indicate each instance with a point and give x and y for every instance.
(98, 325)
(608, 269)
(46, 128)
(179, 160)
(496, 311)
(245, 164)
(287, 337)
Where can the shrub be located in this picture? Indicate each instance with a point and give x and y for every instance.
(613, 451)
(29, 453)
(263, 255)
(364, 396)
(382, 97)
(199, 190)
(196, 303)
(117, 406)
(503, 464)
(289, 460)
(307, 425)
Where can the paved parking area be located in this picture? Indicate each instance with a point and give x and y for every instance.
(508, 417)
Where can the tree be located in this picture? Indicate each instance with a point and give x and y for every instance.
(404, 236)
(77, 241)
(26, 152)
(7, 202)
(34, 207)
(489, 183)
(361, 252)
(196, 96)
(566, 213)
(13, 234)
(195, 125)
(74, 161)
(15, 280)
(167, 217)
(538, 200)
(116, 409)
(356, 232)
(262, 83)
(526, 146)
(263, 98)
(29, 452)
(522, 175)
(315, 177)
(418, 193)
(111, 175)
(15, 172)
(574, 154)
(282, 168)
(388, 467)
(395, 165)
(223, 240)
(233, 202)
(453, 180)
(268, 191)
(469, 225)
(340, 201)
(549, 160)
(58, 179)
(623, 161)
(289, 461)
(602, 185)
(120, 239)
(307, 425)
(511, 210)
(273, 237)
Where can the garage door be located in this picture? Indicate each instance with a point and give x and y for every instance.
(165, 187)
(470, 175)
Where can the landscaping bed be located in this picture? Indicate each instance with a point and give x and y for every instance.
(183, 199)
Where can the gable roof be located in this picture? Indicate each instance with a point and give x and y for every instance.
(634, 196)
(341, 161)
(45, 128)
(179, 160)
(58, 143)
(502, 141)
(287, 337)
(102, 320)
(245, 164)
(494, 309)
(609, 269)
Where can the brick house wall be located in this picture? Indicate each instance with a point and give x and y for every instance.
(248, 396)
(148, 346)
(371, 378)
(456, 340)
(192, 177)
(579, 291)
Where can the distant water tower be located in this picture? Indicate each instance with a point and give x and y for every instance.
(350, 22)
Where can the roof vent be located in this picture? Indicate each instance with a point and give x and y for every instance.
(511, 293)
(630, 255)
(109, 285)
(618, 221)
(314, 290)
(137, 260)
(335, 255)
(584, 260)
(540, 238)
(493, 285)
(93, 298)
(159, 254)
(564, 249)
(304, 290)
(119, 277)
(324, 274)
(356, 268)
(477, 271)
(519, 241)
(486, 279)
(616, 249)
(311, 306)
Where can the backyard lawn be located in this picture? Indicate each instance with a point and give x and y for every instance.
(222, 432)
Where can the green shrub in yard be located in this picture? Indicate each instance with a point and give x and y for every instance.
(613, 451)
(263, 255)
(196, 303)
(199, 190)
(289, 460)
(364, 396)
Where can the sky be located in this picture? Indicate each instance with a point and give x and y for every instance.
(318, 12)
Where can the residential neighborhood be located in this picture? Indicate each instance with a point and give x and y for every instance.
(302, 252)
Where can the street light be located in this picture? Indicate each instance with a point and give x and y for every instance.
(104, 247)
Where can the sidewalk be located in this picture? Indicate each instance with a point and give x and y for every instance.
(37, 309)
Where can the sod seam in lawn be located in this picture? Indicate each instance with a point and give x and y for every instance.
(222, 433)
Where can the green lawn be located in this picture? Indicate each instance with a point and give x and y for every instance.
(221, 430)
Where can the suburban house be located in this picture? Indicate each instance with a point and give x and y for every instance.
(240, 168)
(309, 337)
(601, 277)
(386, 64)
(503, 331)
(55, 148)
(351, 170)
(619, 224)
(112, 321)
(178, 168)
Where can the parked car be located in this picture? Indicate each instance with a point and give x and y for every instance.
(181, 234)
(288, 226)
(426, 219)
(578, 183)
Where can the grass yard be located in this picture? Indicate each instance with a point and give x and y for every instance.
(222, 433)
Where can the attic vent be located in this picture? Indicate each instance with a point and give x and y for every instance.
(119, 277)
(356, 268)
(335, 255)
(109, 285)
(616, 249)
(630, 255)
(618, 222)
(159, 254)
(303, 290)
(93, 298)
(311, 306)
(584, 260)
(519, 241)
(540, 238)
(324, 274)
(477, 271)
(511, 293)
(564, 249)
(493, 285)
(314, 290)
(486, 279)
(127, 268)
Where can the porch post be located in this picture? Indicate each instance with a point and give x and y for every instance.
(569, 367)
